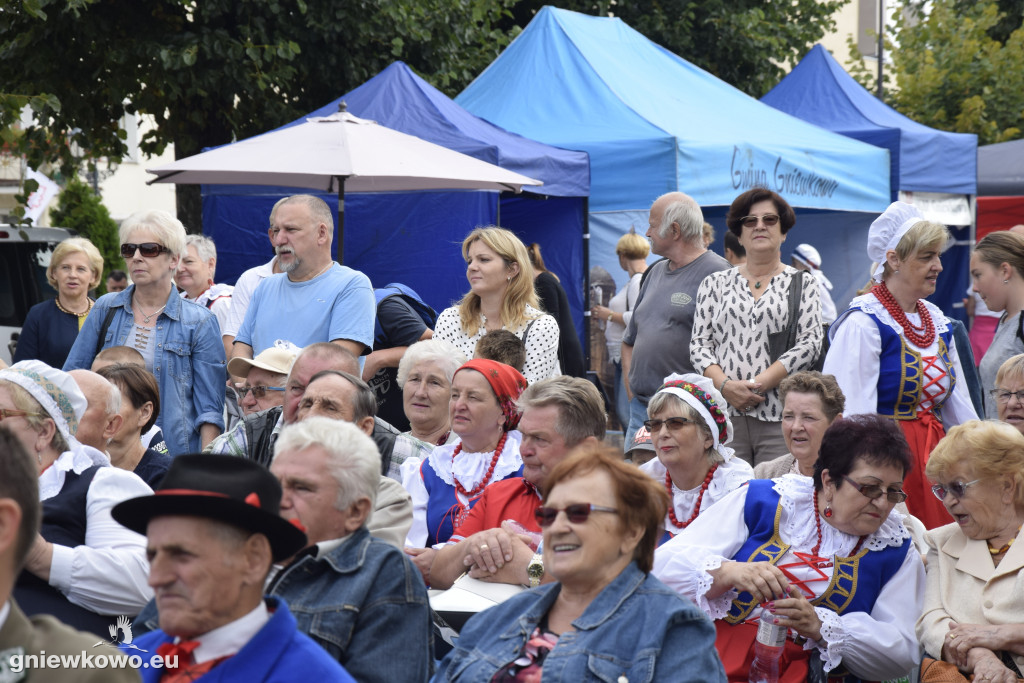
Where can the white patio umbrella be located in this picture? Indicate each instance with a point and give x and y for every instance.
(341, 153)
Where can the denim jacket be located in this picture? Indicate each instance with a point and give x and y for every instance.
(189, 362)
(636, 629)
(366, 604)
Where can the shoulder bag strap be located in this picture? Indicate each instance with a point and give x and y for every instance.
(103, 331)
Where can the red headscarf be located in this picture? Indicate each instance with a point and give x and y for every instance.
(506, 383)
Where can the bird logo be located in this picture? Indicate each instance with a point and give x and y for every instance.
(124, 625)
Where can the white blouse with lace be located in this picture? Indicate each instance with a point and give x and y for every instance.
(468, 468)
(875, 646)
(730, 475)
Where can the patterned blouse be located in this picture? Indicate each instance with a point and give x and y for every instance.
(541, 340)
(731, 329)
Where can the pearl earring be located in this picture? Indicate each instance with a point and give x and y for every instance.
(509, 279)
(1006, 282)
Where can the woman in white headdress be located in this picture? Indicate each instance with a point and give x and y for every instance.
(806, 257)
(690, 428)
(892, 352)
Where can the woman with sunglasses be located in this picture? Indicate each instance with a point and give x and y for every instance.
(179, 340)
(605, 617)
(827, 557)
(745, 324)
(973, 601)
(1008, 394)
(140, 406)
(893, 353)
(689, 428)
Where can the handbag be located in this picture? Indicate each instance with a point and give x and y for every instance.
(784, 340)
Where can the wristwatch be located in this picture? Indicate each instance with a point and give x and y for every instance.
(535, 570)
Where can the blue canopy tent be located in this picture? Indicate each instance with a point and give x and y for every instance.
(653, 123)
(923, 159)
(415, 238)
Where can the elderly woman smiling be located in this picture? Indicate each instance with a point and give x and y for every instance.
(606, 618)
(973, 602)
(1008, 393)
(690, 428)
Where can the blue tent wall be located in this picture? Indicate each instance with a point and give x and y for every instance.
(654, 123)
(819, 90)
(416, 238)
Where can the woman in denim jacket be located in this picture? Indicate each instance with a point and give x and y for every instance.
(606, 618)
(179, 340)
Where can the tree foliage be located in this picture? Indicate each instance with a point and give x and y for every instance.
(213, 71)
(743, 42)
(80, 209)
(950, 73)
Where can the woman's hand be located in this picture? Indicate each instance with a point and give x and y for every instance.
(602, 313)
(40, 556)
(762, 580)
(987, 668)
(798, 614)
(742, 394)
(962, 638)
(423, 558)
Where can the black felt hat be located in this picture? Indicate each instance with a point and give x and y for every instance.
(229, 489)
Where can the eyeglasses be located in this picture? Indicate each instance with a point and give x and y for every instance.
(10, 412)
(1004, 396)
(257, 391)
(578, 513)
(769, 219)
(874, 491)
(957, 488)
(147, 249)
(673, 423)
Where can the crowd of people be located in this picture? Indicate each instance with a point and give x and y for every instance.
(210, 474)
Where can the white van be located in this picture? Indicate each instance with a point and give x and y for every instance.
(24, 256)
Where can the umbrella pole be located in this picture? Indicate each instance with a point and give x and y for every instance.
(339, 233)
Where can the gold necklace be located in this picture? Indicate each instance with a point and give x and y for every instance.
(1004, 548)
(88, 307)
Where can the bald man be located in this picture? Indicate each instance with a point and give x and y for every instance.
(102, 418)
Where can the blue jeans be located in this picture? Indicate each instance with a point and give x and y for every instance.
(637, 415)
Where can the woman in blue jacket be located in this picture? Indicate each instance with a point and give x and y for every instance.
(179, 340)
(602, 616)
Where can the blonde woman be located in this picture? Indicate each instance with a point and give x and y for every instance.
(52, 326)
(501, 297)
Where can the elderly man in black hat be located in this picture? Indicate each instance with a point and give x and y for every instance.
(213, 530)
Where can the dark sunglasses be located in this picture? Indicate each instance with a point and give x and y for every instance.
(957, 488)
(769, 219)
(874, 491)
(257, 391)
(673, 423)
(147, 249)
(577, 513)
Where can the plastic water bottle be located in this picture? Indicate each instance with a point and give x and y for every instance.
(771, 640)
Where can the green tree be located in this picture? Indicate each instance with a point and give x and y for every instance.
(745, 43)
(80, 209)
(213, 71)
(950, 73)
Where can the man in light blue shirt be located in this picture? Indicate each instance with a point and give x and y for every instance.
(313, 299)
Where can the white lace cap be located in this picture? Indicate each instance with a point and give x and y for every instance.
(55, 390)
(708, 387)
(887, 230)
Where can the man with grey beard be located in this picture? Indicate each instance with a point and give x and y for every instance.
(313, 299)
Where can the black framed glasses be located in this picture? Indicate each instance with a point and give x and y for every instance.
(257, 391)
(11, 412)
(1004, 396)
(874, 491)
(673, 423)
(147, 249)
(957, 488)
(578, 513)
(769, 219)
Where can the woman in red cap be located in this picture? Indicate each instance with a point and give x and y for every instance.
(446, 485)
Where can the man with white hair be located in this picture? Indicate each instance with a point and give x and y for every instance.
(657, 340)
(102, 418)
(329, 471)
(324, 301)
